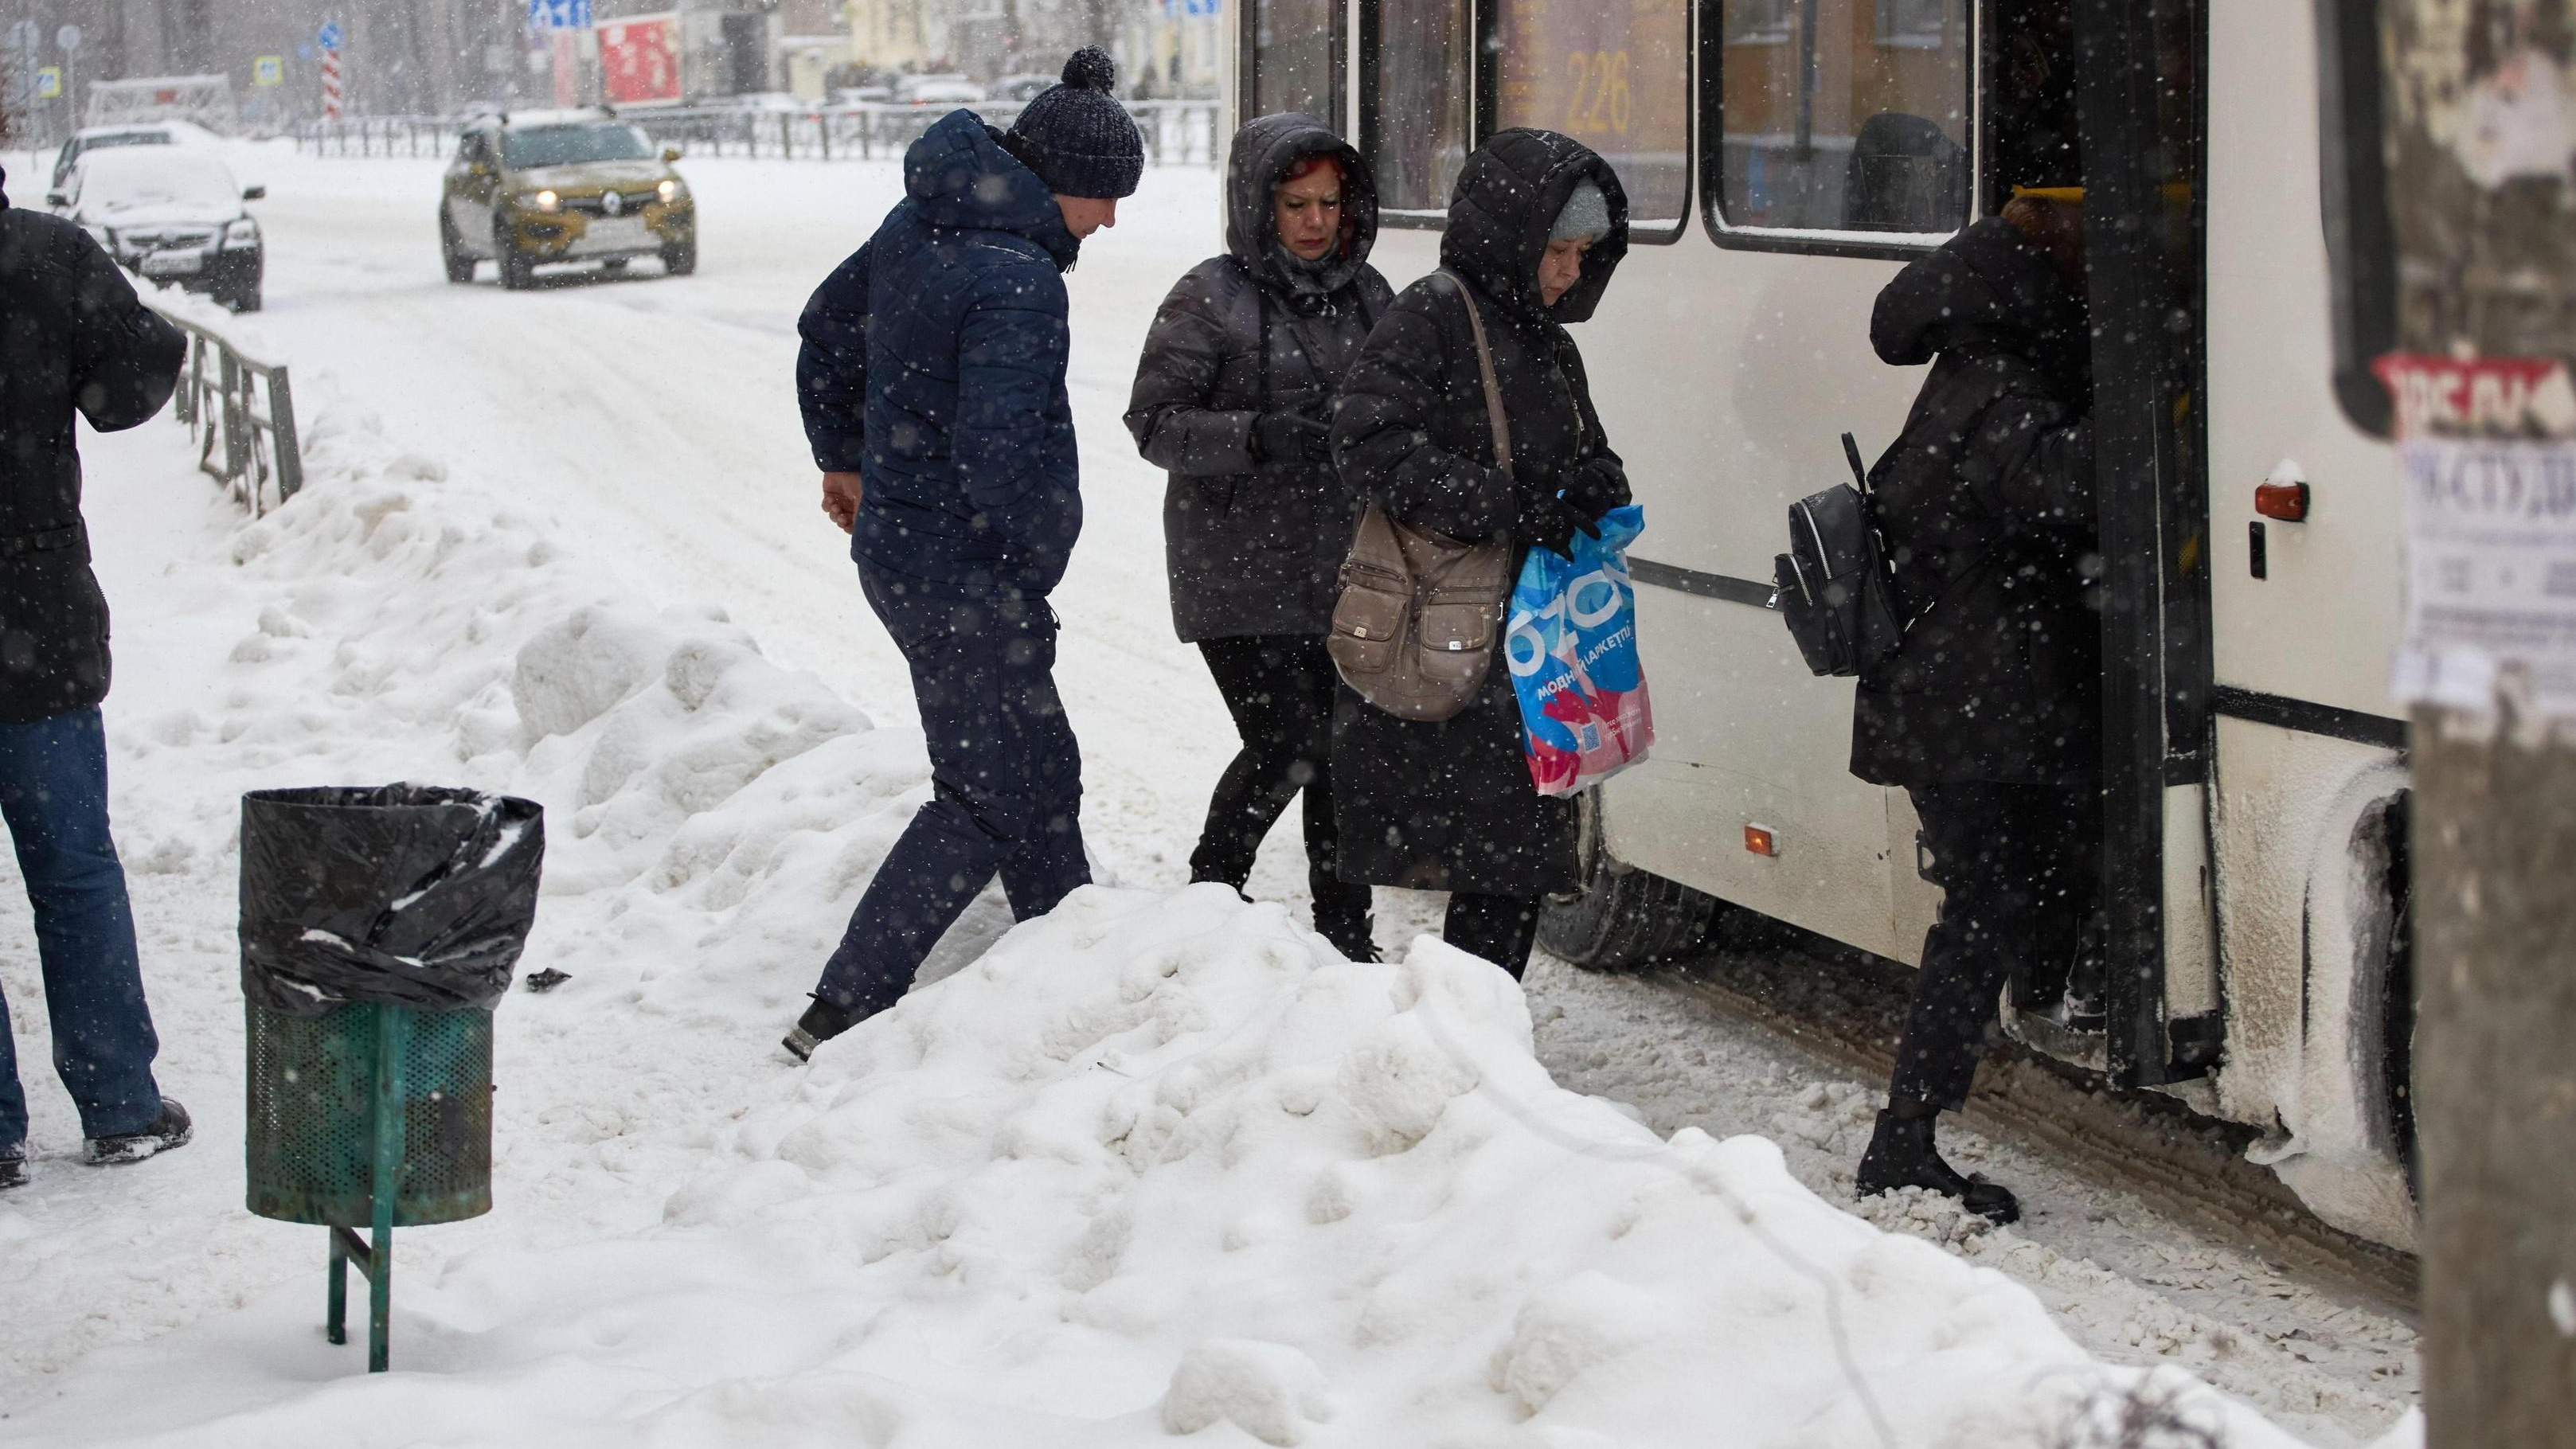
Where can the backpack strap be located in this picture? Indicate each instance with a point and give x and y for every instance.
(1494, 418)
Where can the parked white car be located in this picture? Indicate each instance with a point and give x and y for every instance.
(170, 214)
(101, 138)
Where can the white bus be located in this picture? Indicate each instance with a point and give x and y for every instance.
(1783, 159)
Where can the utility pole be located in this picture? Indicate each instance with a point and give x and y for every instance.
(2484, 289)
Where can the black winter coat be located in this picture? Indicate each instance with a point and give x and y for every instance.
(1253, 544)
(1449, 805)
(73, 336)
(1986, 506)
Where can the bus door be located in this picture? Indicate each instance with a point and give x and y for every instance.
(2140, 110)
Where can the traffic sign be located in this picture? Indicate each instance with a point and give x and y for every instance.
(329, 36)
(268, 70)
(25, 36)
(68, 39)
(558, 14)
(49, 82)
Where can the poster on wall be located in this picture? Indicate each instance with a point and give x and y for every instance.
(639, 60)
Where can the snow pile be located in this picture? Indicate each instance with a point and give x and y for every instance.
(1165, 1165)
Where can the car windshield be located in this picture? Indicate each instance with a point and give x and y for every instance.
(571, 145)
(131, 180)
(125, 138)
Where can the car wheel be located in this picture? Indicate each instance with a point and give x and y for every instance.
(451, 250)
(518, 273)
(680, 258)
(246, 297)
(614, 265)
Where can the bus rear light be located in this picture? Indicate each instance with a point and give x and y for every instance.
(1759, 840)
(2287, 502)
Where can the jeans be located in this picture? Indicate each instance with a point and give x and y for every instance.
(1006, 784)
(53, 792)
(2019, 867)
(1279, 688)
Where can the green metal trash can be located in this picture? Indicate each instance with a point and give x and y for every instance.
(312, 1141)
(380, 926)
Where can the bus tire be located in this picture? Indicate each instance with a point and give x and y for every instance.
(1619, 916)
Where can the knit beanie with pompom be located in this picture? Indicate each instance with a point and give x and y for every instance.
(1076, 136)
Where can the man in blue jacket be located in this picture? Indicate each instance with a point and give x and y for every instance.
(932, 382)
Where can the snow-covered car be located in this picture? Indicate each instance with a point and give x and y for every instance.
(562, 186)
(944, 89)
(862, 95)
(102, 138)
(170, 213)
(765, 102)
(1023, 88)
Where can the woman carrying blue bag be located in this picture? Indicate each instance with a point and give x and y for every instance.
(1537, 223)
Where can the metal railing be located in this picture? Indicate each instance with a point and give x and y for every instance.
(242, 414)
(1175, 132)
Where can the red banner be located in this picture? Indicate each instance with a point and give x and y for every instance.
(639, 60)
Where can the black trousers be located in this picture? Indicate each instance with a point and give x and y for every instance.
(1279, 688)
(1502, 929)
(2019, 867)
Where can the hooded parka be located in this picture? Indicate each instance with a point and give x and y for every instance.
(1450, 805)
(933, 367)
(1986, 506)
(73, 336)
(1253, 544)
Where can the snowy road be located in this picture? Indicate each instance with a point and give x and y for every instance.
(649, 425)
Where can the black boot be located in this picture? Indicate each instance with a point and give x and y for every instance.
(13, 1170)
(821, 1022)
(1352, 934)
(171, 1129)
(1900, 1155)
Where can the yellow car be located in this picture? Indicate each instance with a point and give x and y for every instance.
(529, 187)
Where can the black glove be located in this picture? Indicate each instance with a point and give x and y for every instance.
(1594, 486)
(1291, 438)
(1550, 523)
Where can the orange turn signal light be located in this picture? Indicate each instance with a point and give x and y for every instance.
(1759, 840)
(2287, 502)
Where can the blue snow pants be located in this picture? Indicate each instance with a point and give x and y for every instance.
(1006, 783)
(53, 792)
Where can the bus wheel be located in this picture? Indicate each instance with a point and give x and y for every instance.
(1620, 916)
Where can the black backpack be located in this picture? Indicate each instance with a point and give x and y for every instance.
(1833, 584)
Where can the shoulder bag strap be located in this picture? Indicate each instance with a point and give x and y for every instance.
(1485, 368)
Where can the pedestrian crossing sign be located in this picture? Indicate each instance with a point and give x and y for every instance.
(268, 70)
(49, 82)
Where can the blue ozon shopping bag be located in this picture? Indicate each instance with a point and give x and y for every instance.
(1572, 647)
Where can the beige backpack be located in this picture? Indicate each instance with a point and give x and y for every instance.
(1414, 629)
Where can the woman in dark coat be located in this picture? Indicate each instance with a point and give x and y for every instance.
(1536, 225)
(1232, 397)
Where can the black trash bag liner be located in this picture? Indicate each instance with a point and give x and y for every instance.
(414, 895)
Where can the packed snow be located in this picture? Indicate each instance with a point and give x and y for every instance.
(1158, 1165)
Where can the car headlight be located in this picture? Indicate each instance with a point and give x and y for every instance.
(671, 190)
(242, 233)
(542, 201)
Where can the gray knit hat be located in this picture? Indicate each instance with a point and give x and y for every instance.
(1585, 215)
(1076, 136)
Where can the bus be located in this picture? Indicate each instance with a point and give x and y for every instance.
(1783, 159)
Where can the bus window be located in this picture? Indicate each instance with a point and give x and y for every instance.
(1613, 74)
(1415, 109)
(1293, 52)
(1841, 116)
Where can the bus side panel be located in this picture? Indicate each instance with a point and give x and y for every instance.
(1745, 737)
(1725, 380)
(2321, 626)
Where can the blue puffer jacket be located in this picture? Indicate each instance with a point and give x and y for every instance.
(933, 366)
